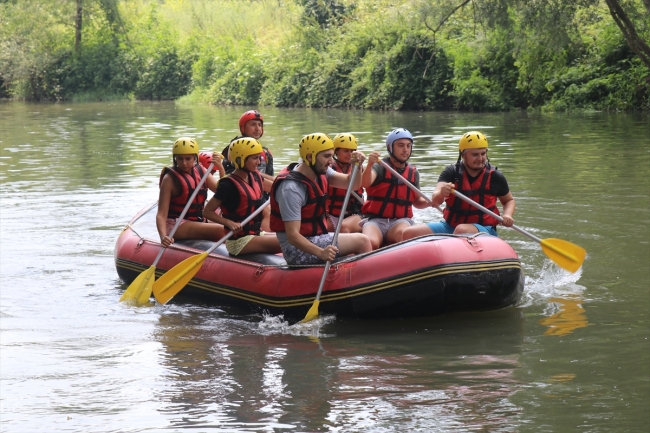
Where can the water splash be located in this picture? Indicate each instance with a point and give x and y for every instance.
(278, 325)
(552, 281)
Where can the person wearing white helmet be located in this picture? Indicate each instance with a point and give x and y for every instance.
(176, 186)
(388, 209)
(475, 177)
(298, 205)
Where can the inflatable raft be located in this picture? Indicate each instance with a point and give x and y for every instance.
(425, 276)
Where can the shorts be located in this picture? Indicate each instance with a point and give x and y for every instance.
(171, 222)
(445, 227)
(296, 256)
(235, 246)
(385, 224)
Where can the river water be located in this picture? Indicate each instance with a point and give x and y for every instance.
(572, 356)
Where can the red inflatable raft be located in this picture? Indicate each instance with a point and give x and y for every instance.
(426, 276)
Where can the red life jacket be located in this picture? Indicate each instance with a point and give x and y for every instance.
(458, 212)
(250, 198)
(312, 215)
(337, 196)
(187, 182)
(390, 198)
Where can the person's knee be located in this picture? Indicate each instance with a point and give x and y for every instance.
(410, 233)
(465, 229)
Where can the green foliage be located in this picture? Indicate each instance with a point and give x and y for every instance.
(377, 54)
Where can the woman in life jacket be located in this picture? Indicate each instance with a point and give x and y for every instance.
(177, 183)
(344, 145)
(238, 195)
(475, 177)
(388, 209)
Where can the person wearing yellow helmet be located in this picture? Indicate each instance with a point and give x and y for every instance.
(298, 205)
(238, 195)
(177, 183)
(344, 145)
(475, 177)
(388, 209)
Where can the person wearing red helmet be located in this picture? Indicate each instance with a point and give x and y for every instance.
(251, 124)
(207, 158)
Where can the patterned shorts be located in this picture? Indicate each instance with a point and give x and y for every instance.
(295, 256)
(235, 247)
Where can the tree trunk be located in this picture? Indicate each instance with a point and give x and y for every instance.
(77, 27)
(636, 43)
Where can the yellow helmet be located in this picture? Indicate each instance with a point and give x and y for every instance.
(241, 149)
(345, 141)
(314, 143)
(472, 140)
(185, 146)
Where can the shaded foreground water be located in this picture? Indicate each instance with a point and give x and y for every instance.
(573, 356)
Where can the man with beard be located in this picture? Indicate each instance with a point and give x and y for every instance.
(298, 205)
(388, 210)
(475, 177)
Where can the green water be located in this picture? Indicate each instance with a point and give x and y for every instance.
(573, 356)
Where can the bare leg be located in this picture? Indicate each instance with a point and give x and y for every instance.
(394, 235)
(351, 224)
(415, 231)
(374, 234)
(262, 244)
(197, 230)
(465, 228)
(353, 243)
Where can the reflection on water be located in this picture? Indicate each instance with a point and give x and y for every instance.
(571, 316)
(223, 371)
(74, 359)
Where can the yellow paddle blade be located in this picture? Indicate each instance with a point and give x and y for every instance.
(138, 286)
(173, 281)
(567, 255)
(312, 314)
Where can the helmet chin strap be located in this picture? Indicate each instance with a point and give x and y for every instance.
(397, 159)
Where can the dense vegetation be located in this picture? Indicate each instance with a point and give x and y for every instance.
(378, 54)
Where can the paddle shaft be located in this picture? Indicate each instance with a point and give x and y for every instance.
(185, 209)
(492, 214)
(338, 229)
(407, 183)
(358, 197)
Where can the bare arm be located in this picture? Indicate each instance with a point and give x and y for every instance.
(509, 205)
(369, 175)
(164, 198)
(209, 212)
(443, 189)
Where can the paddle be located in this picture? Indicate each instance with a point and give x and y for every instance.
(140, 289)
(565, 254)
(358, 197)
(177, 277)
(313, 311)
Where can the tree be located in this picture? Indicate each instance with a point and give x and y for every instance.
(636, 43)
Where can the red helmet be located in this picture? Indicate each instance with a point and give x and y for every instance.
(205, 158)
(250, 115)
